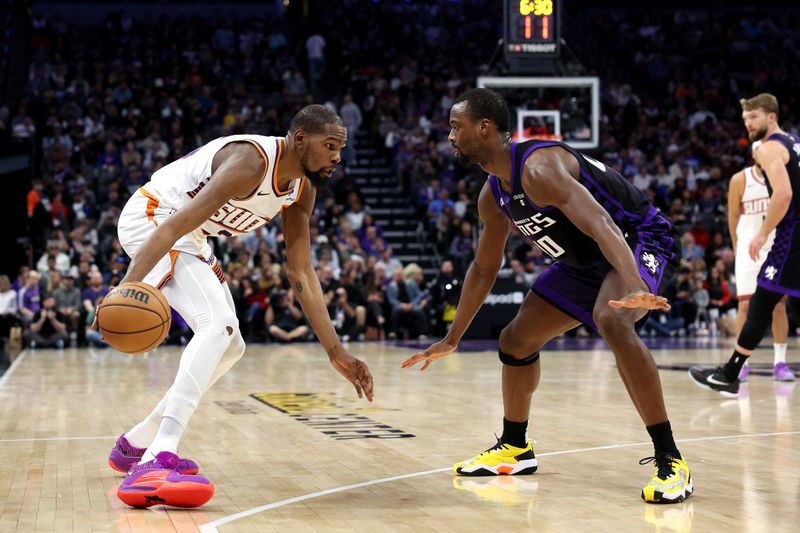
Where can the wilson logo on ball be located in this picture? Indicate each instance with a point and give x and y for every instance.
(136, 295)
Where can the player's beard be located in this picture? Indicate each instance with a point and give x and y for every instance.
(317, 180)
(757, 136)
(463, 159)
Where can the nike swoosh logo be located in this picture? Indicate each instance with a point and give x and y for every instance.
(263, 193)
(711, 379)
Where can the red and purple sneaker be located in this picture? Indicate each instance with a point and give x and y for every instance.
(124, 456)
(158, 482)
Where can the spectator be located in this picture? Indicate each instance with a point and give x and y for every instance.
(68, 303)
(445, 292)
(390, 262)
(315, 46)
(8, 307)
(351, 116)
(285, 321)
(47, 329)
(462, 248)
(29, 298)
(404, 298)
(94, 289)
(347, 317)
(690, 250)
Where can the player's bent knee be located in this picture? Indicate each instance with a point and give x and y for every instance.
(512, 360)
(511, 342)
(614, 321)
(226, 322)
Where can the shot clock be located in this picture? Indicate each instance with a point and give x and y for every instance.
(532, 27)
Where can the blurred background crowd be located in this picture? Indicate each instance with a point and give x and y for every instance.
(105, 106)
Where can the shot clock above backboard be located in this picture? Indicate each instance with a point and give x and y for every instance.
(532, 27)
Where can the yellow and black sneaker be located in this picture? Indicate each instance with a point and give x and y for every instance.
(671, 482)
(500, 459)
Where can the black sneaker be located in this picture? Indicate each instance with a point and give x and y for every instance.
(714, 379)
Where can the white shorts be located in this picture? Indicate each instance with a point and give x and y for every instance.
(140, 216)
(746, 271)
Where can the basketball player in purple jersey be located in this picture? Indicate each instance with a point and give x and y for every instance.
(779, 159)
(611, 250)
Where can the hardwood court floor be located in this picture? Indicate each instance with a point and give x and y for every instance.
(61, 411)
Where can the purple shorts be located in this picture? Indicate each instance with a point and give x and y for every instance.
(574, 289)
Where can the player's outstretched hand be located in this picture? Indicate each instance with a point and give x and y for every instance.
(641, 300)
(355, 371)
(434, 352)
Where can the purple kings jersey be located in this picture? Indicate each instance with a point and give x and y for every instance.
(548, 227)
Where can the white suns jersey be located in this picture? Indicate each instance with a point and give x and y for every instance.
(752, 209)
(180, 181)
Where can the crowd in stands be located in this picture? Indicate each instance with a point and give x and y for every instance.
(104, 109)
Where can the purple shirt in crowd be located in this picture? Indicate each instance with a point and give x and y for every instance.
(93, 294)
(30, 298)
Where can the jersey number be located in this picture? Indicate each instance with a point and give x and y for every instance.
(546, 243)
(549, 246)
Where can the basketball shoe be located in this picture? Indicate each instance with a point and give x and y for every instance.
(744, 373)
(500, 459)
(671, 482)
(782, 372)
(158, 482)
(124, 455)
(714, 379)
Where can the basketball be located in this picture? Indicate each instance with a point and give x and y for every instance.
(134, 317)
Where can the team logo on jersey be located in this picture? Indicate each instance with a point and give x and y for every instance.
(770, 272)
(521, 198)
(650, 262)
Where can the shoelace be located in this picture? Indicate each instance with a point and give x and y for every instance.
(663, 463)
(497, 446)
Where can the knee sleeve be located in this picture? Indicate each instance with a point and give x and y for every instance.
(762, 303)
(510, 360)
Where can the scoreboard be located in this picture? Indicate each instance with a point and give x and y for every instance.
(532, 27)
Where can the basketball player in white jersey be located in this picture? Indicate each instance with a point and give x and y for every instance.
(229, 186)
(748, 199)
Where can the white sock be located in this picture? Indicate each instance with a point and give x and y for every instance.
(143, 433)
(780, 353)
(166, 440)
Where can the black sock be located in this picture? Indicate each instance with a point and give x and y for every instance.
(734, 366)
(662, 439)
(514, 433)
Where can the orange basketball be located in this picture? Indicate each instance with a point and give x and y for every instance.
(134, 317)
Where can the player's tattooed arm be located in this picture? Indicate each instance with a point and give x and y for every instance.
(295, 221)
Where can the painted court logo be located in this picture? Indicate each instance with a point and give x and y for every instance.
(650, 262)
(337, 421)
